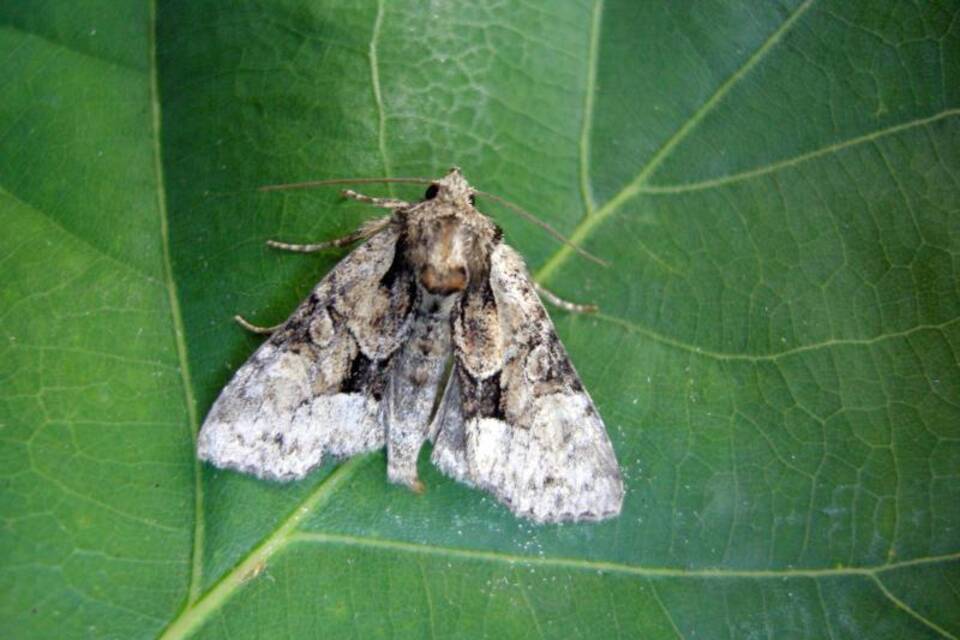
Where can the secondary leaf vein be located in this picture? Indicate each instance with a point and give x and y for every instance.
(588, 224)
(586, 191)
(767, 357)
(607, 566)
(900, 604)
(796, 160)
(196, 572)
(378, 94)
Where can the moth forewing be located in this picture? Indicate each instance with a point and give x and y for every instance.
(531, 435)
(313, 387)
(359, 365)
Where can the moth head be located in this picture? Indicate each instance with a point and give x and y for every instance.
(447, 241)
(451, 189)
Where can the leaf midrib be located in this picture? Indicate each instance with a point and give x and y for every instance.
(195, 613)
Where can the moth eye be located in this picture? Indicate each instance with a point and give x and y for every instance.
(473, 199)
(431, 192)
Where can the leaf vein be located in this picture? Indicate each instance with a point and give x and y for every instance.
(768, 357)
(179, 335)
(79, 238)
(664, 610)
(90, 55)
(900, 604)
(196, 613)
(796, 160)
(608, 566)
(587, 225)
(586, 191)
(378, 94)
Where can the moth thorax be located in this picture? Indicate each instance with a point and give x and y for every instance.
(445, 256)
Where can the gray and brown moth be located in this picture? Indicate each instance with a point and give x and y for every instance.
(432, 299)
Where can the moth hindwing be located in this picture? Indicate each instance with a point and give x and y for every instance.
(433, 300)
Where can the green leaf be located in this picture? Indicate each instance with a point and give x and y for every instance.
(776, 186)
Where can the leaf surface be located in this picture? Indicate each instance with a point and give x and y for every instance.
(775, 185)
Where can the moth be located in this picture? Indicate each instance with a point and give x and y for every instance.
(433, 302)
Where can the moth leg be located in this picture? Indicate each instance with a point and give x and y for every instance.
(254, 328)
(367, 230)
(317, 246)
(385, 203)
(557, 301)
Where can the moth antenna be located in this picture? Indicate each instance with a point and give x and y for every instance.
(322, 183)
(540, 223)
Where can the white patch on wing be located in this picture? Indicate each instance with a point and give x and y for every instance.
(560, 467)
(282, 412)
(269, 423)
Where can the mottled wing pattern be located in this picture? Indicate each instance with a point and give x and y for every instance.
(523, 426)
(314, 387)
